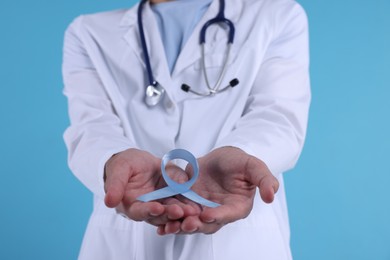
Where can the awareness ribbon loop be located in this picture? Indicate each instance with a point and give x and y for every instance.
(175, 188)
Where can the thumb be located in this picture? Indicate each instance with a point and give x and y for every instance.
(260, 176)
(115, 184)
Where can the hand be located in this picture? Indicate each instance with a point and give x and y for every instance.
(132, 173)
(229, 177)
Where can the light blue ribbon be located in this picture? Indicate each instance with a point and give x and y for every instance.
(175, 188)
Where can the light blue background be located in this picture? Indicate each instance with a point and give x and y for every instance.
(338, 194)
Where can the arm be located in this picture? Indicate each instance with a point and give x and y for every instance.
(96, 134)
(95, 131)
(273, 125)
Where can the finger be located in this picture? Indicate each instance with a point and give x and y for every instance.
(172, 212)
(176, 173)
(115, 188)
(189, 207)
(172, 227)
(161, 230)
(258, 174)
(190, 225)
(156, 213)
(175, 210)
(268, 187)
(225, 214)
(142, 211)
(193, 224)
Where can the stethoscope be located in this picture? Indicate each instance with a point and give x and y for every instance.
(154, 91)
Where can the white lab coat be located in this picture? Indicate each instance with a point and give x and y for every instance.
(265, 115)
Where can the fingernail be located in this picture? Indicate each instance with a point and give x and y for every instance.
(209, 220)
(123, 215)
(192, 230)
(160, 231)
(154, 214)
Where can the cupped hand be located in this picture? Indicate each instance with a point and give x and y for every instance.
(132, 173)
(228, 176)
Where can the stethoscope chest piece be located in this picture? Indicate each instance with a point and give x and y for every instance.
(154, 94)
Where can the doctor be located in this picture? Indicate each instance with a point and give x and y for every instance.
(245, 136)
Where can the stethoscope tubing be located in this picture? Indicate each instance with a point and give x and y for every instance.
(152, 82)
(214, 90)
(220, 18)
(154, 91)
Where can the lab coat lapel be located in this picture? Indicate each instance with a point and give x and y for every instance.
(131, 36)
(153, 41)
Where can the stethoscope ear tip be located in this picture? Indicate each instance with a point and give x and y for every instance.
(234, 82)
(185, 87)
